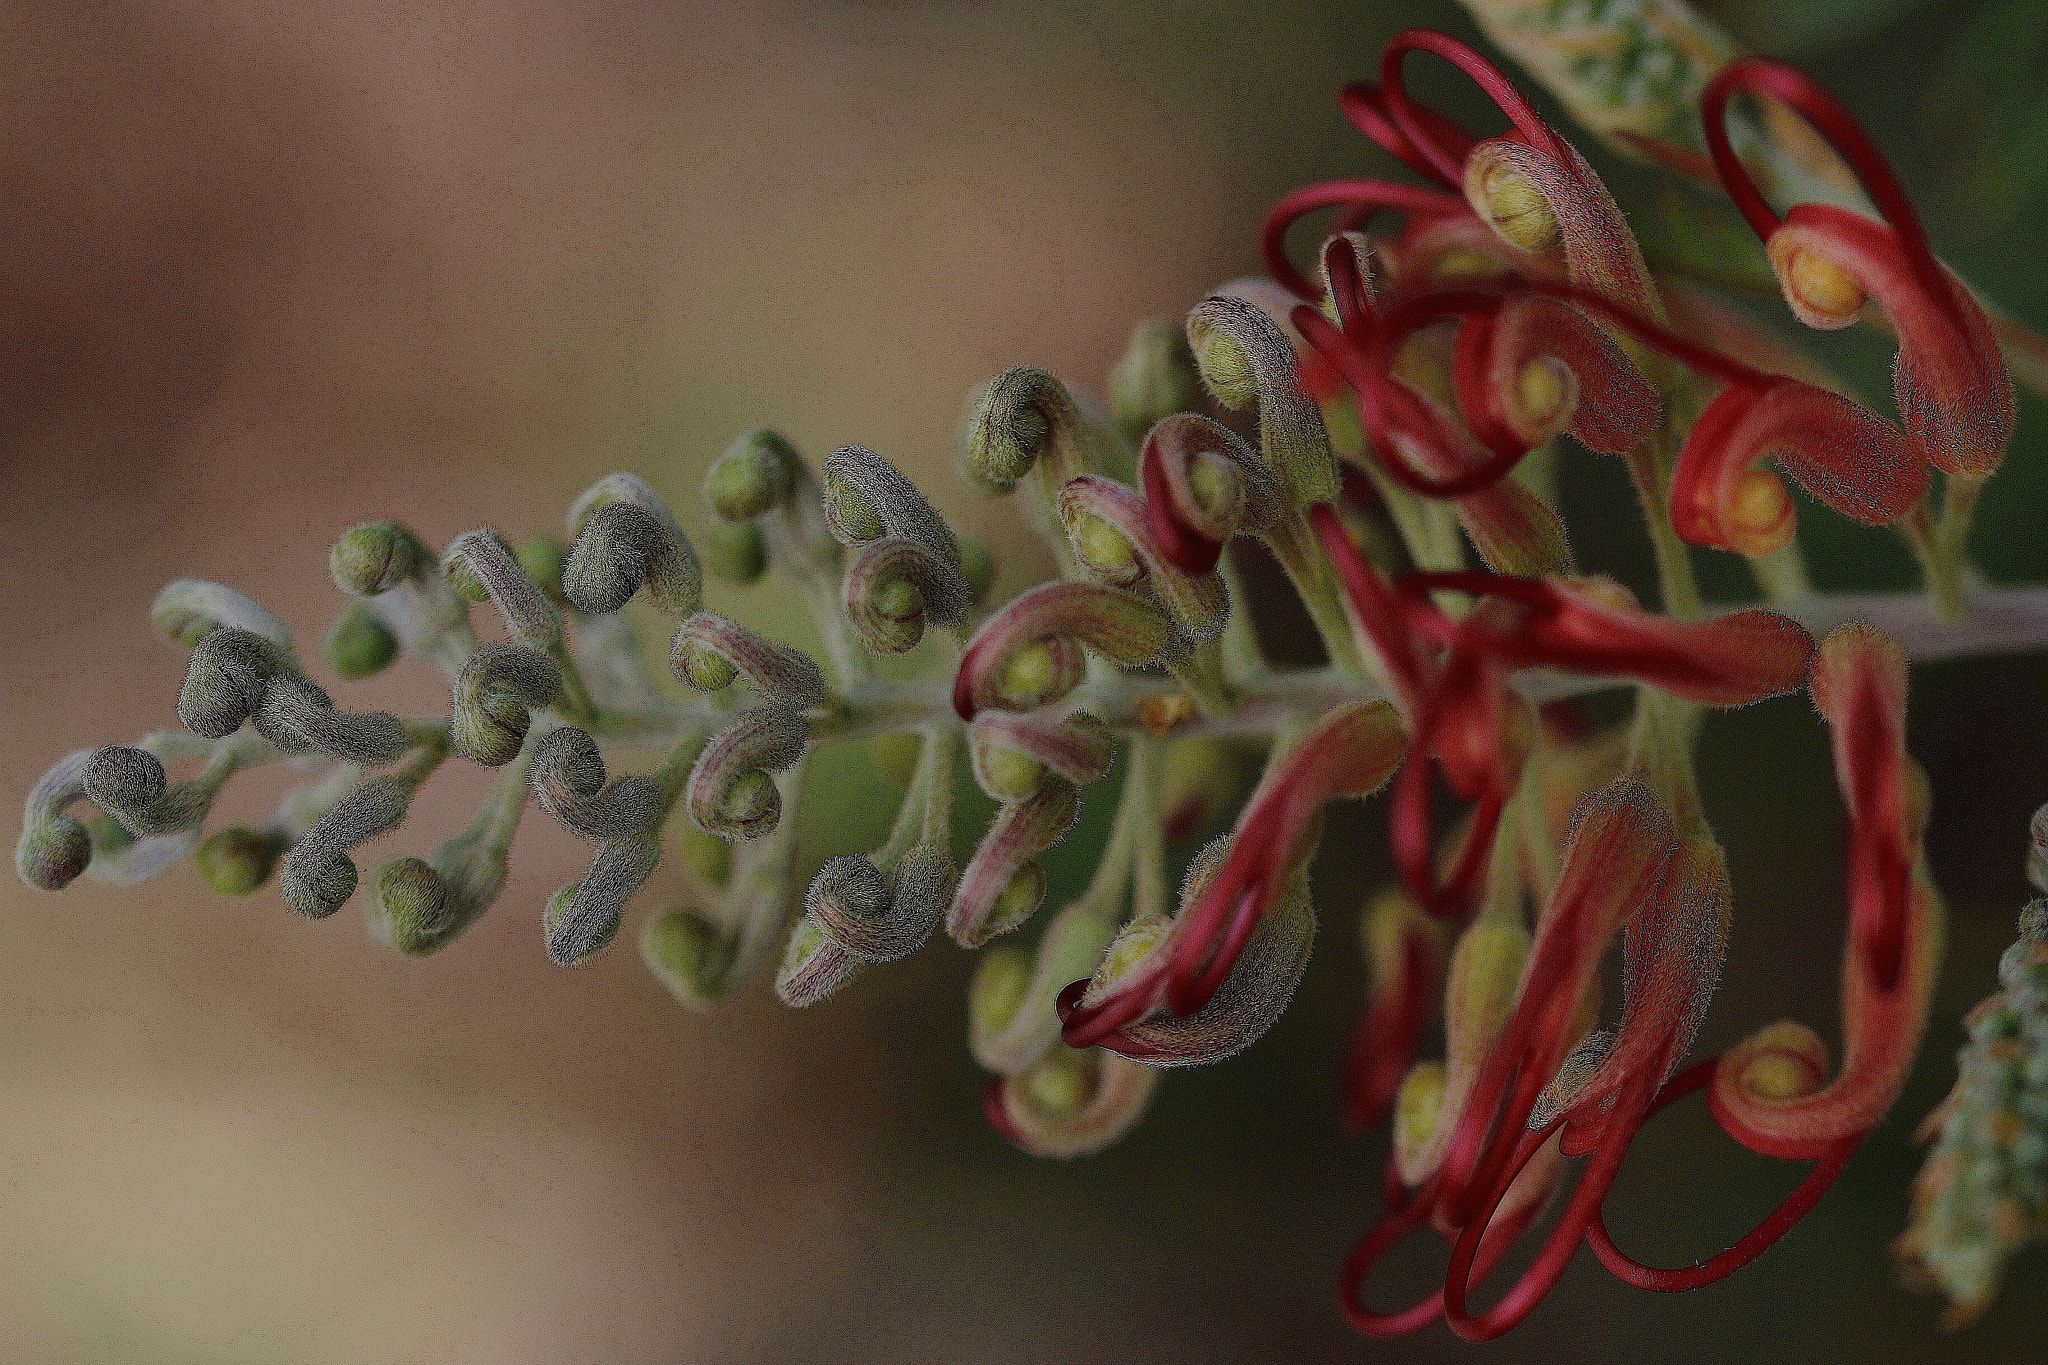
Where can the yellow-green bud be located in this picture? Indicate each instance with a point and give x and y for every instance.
(464, 580)
(751, 799)
(899, 614)
(707, 855)
(1511, 202)
(108, 835)
(1028, 674)
(1102, 547)
(358, 644)
(1018, 900)
(542, 558)
(558, 906)
(236, 861)
(414, 906)
(376, 558)
(1010, 774)
(702, 667)
(755, 475)
(1061, 1084)
(1418, 1108)
(736, 551)
(1000, 981)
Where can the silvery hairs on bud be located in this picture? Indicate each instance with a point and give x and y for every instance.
(319, 875)
(375, 558)
(225, 680)
(582, 918)
(54, 847)
(568, 777)
(188, 610)
(130, 785)
(730, 793)
(813, 966)
(710, 650)
(299, 717)
(623, 547)
(483, 557)
(878, 918)
(493, 700)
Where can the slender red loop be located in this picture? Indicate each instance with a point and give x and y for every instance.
(1407, 117)
(1365, 105)
(1368, 196)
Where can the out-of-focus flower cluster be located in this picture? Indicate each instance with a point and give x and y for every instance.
(1377, 424)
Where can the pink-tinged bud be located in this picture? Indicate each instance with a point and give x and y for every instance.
(1025, 416)
(1833, 447)
(1535, 367)
(1023, 656)
(813, 966)
(730, 792)
(1013, 753)
(894, 588)
(1202, 485)
(1950, 383)
(1246, 359)
(626, 545)
(1108, 526)
(1012, 1021)
(1002, 885)
(1539, 196)
(1404, 953)
(710, 651)
(877, 917)
(1072, 1103)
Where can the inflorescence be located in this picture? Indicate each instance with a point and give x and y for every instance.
(1375, 422)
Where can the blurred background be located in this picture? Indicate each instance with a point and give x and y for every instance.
(271, 271)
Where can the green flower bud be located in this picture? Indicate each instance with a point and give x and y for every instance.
(702, 667)
(109, 836)
(235, 861)
(736, 551)
(358, 644)
(558, 908)
(707, 855)
(690, 955)
(542, 558)
(1000, 981)
(1018, 900)
(1156, 378)
(462, 575)
(756, 474)
(979, 568)
(377, 558)
(52, 853)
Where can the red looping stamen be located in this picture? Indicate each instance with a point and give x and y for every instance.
(1363, 197)
(1183, 546)
(1421, 134)
(1384, 1040)
(1365, 105)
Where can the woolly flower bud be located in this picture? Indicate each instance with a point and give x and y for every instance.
(1016, 663)
(1072, 1103)
(54, 848)
(568, 777)
(1112, 535)
(756, 474)
(894, 588)
(876, 918)
(813, 966)
(130, 785)
(709, 651)
(1245, 358)
(1024, 416)
(479, 565)
(190, 609)
(730, 792)
(583, 917)
(625, 545)
(1002, 886)
(358, 644)
(690, 955)
(319, 875)
(867, 498)
(1155, 379)
(235, 861)
(493, 697)
(299, 717)
(1012, 753)
(225, 681)
(376, 558)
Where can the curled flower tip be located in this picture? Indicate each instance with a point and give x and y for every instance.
(299, 717)
(1023, 416)
(730, 792)
(319, 876)
(756, 474)
(1949, 380)
(1202, 484)
(690, 955)
(225, 681)
(1535, 367)
(1244, 359)
(377, 557)
(1252, 995)
(1479, 993)
(626, 544)
(895, 587)
(1014, 754)
(54, 847)
(1833, 447)
(480, 565)
(877, 917)
(190, 609)
(358, 645)
(235, 861)
(420, 908)
(1003, 884)
(710, 651)
(1024, 656)
(1071, 1103)
(813, 965)
(1404, 950)
(867, 498)
(1110, 529)
(493, 701)
(130, 785)
(1155, 379)
(582, 918)
(568, 777)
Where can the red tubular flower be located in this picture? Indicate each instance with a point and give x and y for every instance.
(1365, 105)
(1951, 386)
(1362, 197)
(1352, 751)
(1405, 950)
(1202, 485)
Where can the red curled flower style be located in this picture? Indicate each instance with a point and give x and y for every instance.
(1950, 383)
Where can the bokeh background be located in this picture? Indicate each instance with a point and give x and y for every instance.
(271, 270)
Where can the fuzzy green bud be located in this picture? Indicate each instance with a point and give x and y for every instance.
(690, 955)
(52, 853)
(358, 644)
(1001, 980)
(235, 861)
(377, 558)
(1018, 900)
(755, 474)
(707, 855)
(463, 577)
